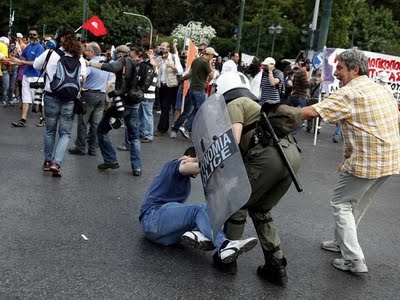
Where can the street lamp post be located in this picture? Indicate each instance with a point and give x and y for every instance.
(148, 20)
(274, 30)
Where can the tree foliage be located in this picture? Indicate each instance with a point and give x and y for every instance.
(368, 24)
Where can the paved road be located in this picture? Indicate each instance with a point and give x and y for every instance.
(42, 219)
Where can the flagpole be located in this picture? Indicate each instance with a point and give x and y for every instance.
(10, 21)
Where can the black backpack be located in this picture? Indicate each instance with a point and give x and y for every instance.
(65, 84)
(145, 74)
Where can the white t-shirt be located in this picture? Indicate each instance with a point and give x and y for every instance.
(52, 66)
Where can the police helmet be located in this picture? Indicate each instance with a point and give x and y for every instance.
(233, 85)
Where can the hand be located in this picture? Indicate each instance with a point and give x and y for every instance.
(271, 68)
(16, 60)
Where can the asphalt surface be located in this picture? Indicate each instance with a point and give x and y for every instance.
(43, 254)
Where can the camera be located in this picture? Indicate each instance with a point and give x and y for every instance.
(160, 50)
(37, 100)
(117, 101)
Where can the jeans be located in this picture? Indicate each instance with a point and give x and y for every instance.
(338, 131)
(193, 101)
(95, 107)
(132, 125)
(351, 198)
(166, 224)
(146, 122)
(9, 79)
(167, 102)
(58, 113)
(297, 101)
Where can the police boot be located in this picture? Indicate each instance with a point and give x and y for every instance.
(229, 268)
(274, 271)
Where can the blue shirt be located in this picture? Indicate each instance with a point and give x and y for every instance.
(96, 79)
(30, 53)
(168, 186)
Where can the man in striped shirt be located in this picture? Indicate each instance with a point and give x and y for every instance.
(370, 123)
(272, 81)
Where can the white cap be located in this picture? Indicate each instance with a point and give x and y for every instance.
(268, 61)
(383, 76)
(4, 40)
(19, 35)
(229, 66)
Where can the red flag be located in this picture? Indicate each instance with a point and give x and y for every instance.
(95, 26)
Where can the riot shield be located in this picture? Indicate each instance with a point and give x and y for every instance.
(223, 174)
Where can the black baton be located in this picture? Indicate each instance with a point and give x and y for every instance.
(277, 143)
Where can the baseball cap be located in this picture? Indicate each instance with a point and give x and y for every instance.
(210, 50)
(268, 61)
(383, 76)
(19, 35)
(122, 48)
(4, 40)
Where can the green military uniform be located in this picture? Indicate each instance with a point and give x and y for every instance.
(268, 177)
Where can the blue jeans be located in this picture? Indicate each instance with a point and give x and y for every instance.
(297, 101)
(132, 126)
(9, 79)
(94, 107)
(58, 113)
(166, 224)
(146, 122)
(338, 131)
(193, 101)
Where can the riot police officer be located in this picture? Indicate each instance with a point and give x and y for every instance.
(267, 173)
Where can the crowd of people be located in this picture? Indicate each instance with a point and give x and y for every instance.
(122, 89)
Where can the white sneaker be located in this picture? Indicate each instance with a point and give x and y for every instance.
(354, 266)
(184, 132)
(172, 135)
(330, 246)
(234, 248)
(196, 239)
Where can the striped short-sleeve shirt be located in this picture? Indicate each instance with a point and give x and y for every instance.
(370, 126)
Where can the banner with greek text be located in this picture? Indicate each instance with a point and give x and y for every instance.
(377, 63)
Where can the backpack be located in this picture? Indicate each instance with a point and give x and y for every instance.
(132, 93)
(65, 83)
(145, 74)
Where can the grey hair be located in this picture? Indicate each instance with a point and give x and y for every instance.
(355, 58)
(94, 47)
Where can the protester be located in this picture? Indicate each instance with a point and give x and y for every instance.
(200, 73)
(59, 112)
(166, 219)
(268, 84)
(370, 127)
(94, 96)
(32, 51)
(168, 67)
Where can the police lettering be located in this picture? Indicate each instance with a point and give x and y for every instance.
(219, 151)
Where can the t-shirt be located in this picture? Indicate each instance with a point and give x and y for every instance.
(30, 53)
(270, 93)
(168, 186)
(245, 111)
(4, 54)
(200, 69)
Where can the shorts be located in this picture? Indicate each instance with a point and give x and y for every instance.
(28, 94)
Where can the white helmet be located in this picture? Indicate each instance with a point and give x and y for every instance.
(231, 80)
